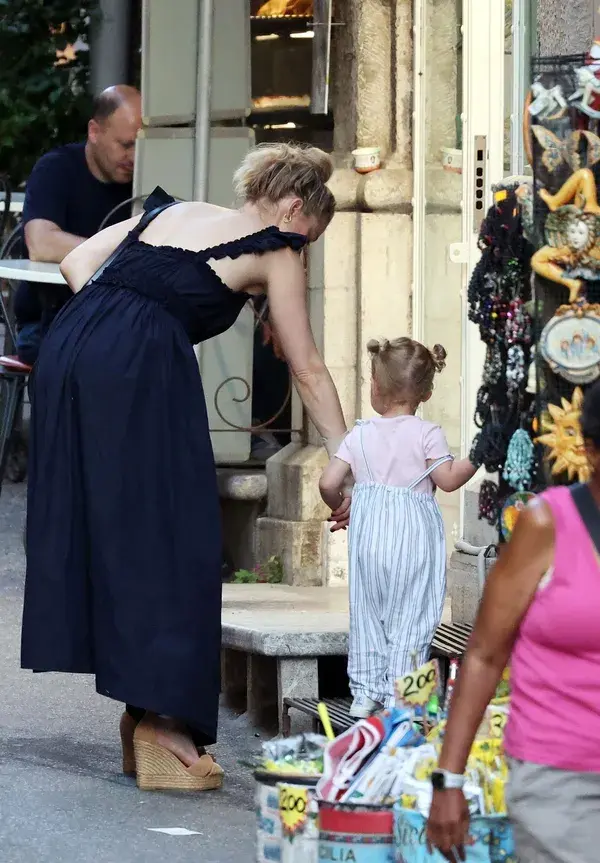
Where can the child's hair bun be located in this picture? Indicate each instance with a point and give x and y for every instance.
(378, 346)
(439, 357)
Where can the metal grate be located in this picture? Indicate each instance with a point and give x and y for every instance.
(451, 640)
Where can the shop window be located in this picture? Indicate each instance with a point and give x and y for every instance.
(283, 57)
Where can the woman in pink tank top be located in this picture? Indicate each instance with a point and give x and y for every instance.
(540, 610)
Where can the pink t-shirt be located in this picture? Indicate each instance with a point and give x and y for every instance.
(554, 716)
(393, 451)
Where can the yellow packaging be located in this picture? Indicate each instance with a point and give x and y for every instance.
(424, 769)
(488, 763)
(502, 694)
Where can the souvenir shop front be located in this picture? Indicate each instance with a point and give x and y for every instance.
(535, 294)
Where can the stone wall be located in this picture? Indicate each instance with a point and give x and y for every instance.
(565, 27)
(361, 276)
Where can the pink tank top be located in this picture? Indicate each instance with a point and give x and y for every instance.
(555, 666)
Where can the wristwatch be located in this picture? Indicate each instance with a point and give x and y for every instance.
(442, 780)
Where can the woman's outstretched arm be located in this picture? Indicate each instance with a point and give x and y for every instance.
(288, 305)
(508, 593)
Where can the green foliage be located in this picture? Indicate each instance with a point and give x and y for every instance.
(270, 572)
(42, 104)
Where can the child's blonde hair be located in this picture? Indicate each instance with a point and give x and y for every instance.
(404, 369)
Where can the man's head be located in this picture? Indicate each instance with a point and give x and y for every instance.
(112, 132)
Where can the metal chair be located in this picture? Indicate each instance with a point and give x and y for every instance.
(13, 381)
(14, 376)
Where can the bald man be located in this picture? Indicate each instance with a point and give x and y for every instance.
(69, 194)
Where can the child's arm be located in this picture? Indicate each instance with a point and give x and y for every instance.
(333, 481)
(452, 475)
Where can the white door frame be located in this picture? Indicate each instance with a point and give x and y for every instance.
(483, 121)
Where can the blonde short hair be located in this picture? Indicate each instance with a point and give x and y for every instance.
(271, 172)
(404, 369)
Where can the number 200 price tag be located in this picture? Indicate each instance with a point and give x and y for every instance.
(293, 807)
(416, 689)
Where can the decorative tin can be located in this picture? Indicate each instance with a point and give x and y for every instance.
(285, 843)
(355, 834)
(268, 824)
(299, 816)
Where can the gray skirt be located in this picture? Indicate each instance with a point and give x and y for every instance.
(555, 814)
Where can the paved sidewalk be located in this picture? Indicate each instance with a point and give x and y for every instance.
(62, 797)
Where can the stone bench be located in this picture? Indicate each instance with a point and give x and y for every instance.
(272, 639)
(243, 495)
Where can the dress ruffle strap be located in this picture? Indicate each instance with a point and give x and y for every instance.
(268, 240)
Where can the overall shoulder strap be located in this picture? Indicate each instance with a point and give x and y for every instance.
(430, 470)
(132, 236)
(360, 425)
(588, 510)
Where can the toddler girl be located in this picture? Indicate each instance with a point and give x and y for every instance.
(397, 545)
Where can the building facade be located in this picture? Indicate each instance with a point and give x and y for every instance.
(439, 87)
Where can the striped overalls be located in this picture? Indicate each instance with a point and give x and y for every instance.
(397, 582)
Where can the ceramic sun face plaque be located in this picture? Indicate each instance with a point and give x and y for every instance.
(563, 439)
(570, 343)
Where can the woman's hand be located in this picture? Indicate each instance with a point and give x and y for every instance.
(448, 824)
(341, 516)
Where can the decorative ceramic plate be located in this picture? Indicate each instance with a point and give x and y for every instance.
(570, 344)
(512, 509)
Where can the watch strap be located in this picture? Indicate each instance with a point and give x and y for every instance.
(451, 780)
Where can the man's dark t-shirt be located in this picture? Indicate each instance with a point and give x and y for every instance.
(63, 190)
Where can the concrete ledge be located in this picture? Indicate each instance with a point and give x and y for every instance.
(283, 644)
(248, 486)
(277, 620)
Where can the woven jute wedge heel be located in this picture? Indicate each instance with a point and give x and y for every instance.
(157, 769)
(127, 728)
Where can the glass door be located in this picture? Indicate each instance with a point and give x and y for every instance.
(459, 154)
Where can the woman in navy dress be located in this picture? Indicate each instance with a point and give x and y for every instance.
(123, 532)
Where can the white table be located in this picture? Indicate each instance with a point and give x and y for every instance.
(17, 199)
(22, 270)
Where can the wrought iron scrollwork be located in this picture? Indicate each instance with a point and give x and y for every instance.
(260, 317)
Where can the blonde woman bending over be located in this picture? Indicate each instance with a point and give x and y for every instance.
(124, 535)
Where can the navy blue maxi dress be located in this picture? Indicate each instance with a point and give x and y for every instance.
(123, 526)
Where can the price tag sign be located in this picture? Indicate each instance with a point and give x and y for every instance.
(416, 689)
(293, 807)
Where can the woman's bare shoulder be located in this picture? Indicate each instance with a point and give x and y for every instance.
(195, 225)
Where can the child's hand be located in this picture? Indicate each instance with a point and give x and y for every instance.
(341, 516)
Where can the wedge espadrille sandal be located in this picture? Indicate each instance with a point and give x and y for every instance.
(158, 769)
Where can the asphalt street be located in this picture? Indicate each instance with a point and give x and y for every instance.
(62, 796)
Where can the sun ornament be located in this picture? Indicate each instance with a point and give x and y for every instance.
(563, 439)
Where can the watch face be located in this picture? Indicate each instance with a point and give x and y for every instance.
(437, 780)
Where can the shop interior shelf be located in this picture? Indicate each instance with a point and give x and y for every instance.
(281, 26)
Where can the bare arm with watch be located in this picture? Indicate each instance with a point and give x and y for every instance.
(508, 593)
